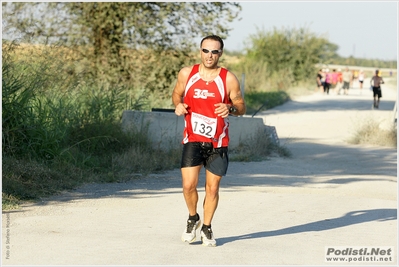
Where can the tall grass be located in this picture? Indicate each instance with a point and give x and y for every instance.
(61, 132)
(257, 101)
(259, 78)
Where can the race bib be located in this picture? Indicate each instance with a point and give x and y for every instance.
(203, 125)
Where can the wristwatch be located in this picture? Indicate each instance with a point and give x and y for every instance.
(232, 109)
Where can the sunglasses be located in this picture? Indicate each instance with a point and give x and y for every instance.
(206, 51)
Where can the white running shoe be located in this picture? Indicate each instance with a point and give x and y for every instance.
(189, 234)
(207, 237)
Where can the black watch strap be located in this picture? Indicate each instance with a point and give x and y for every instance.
(232, 109)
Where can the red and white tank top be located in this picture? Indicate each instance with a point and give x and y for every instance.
(201, 124)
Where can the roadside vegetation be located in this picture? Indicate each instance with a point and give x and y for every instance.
(61, 130)
(62, 102)
(370, 133)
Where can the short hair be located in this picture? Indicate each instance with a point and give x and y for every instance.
(215, 38)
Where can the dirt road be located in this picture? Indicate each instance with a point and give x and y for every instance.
(275, 212)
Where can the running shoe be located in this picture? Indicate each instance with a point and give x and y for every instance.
(189, 234)
(208, 240)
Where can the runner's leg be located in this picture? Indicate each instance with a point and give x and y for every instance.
(211, 199)
(189, 183)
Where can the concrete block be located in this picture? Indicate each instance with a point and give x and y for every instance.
(165, 129)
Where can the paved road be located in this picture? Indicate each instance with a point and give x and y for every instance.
(275, 212)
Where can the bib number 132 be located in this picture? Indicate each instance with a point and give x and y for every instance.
(203, 125)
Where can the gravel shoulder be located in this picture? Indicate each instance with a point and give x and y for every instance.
(281, 211)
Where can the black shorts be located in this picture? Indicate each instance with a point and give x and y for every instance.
(327, 86)
(377, 92)
(214, 160)
(346, 85)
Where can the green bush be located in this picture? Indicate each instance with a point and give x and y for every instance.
(289, 52)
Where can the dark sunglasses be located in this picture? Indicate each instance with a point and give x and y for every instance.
(206, 51)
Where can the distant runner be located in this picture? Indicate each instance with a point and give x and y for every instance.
(376, 82)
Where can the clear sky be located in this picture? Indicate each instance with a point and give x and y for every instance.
(361, 29)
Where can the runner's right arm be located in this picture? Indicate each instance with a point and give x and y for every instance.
(178, 92)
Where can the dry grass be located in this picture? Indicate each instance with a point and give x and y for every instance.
(259, 147)
(371, 133)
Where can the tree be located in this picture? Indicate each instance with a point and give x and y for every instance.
(108, 35)
(294, 51)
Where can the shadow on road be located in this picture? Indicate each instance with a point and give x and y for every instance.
(314, 163)
(350, 218)
(358, 164)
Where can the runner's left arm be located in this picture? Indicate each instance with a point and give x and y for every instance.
(237, 101)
